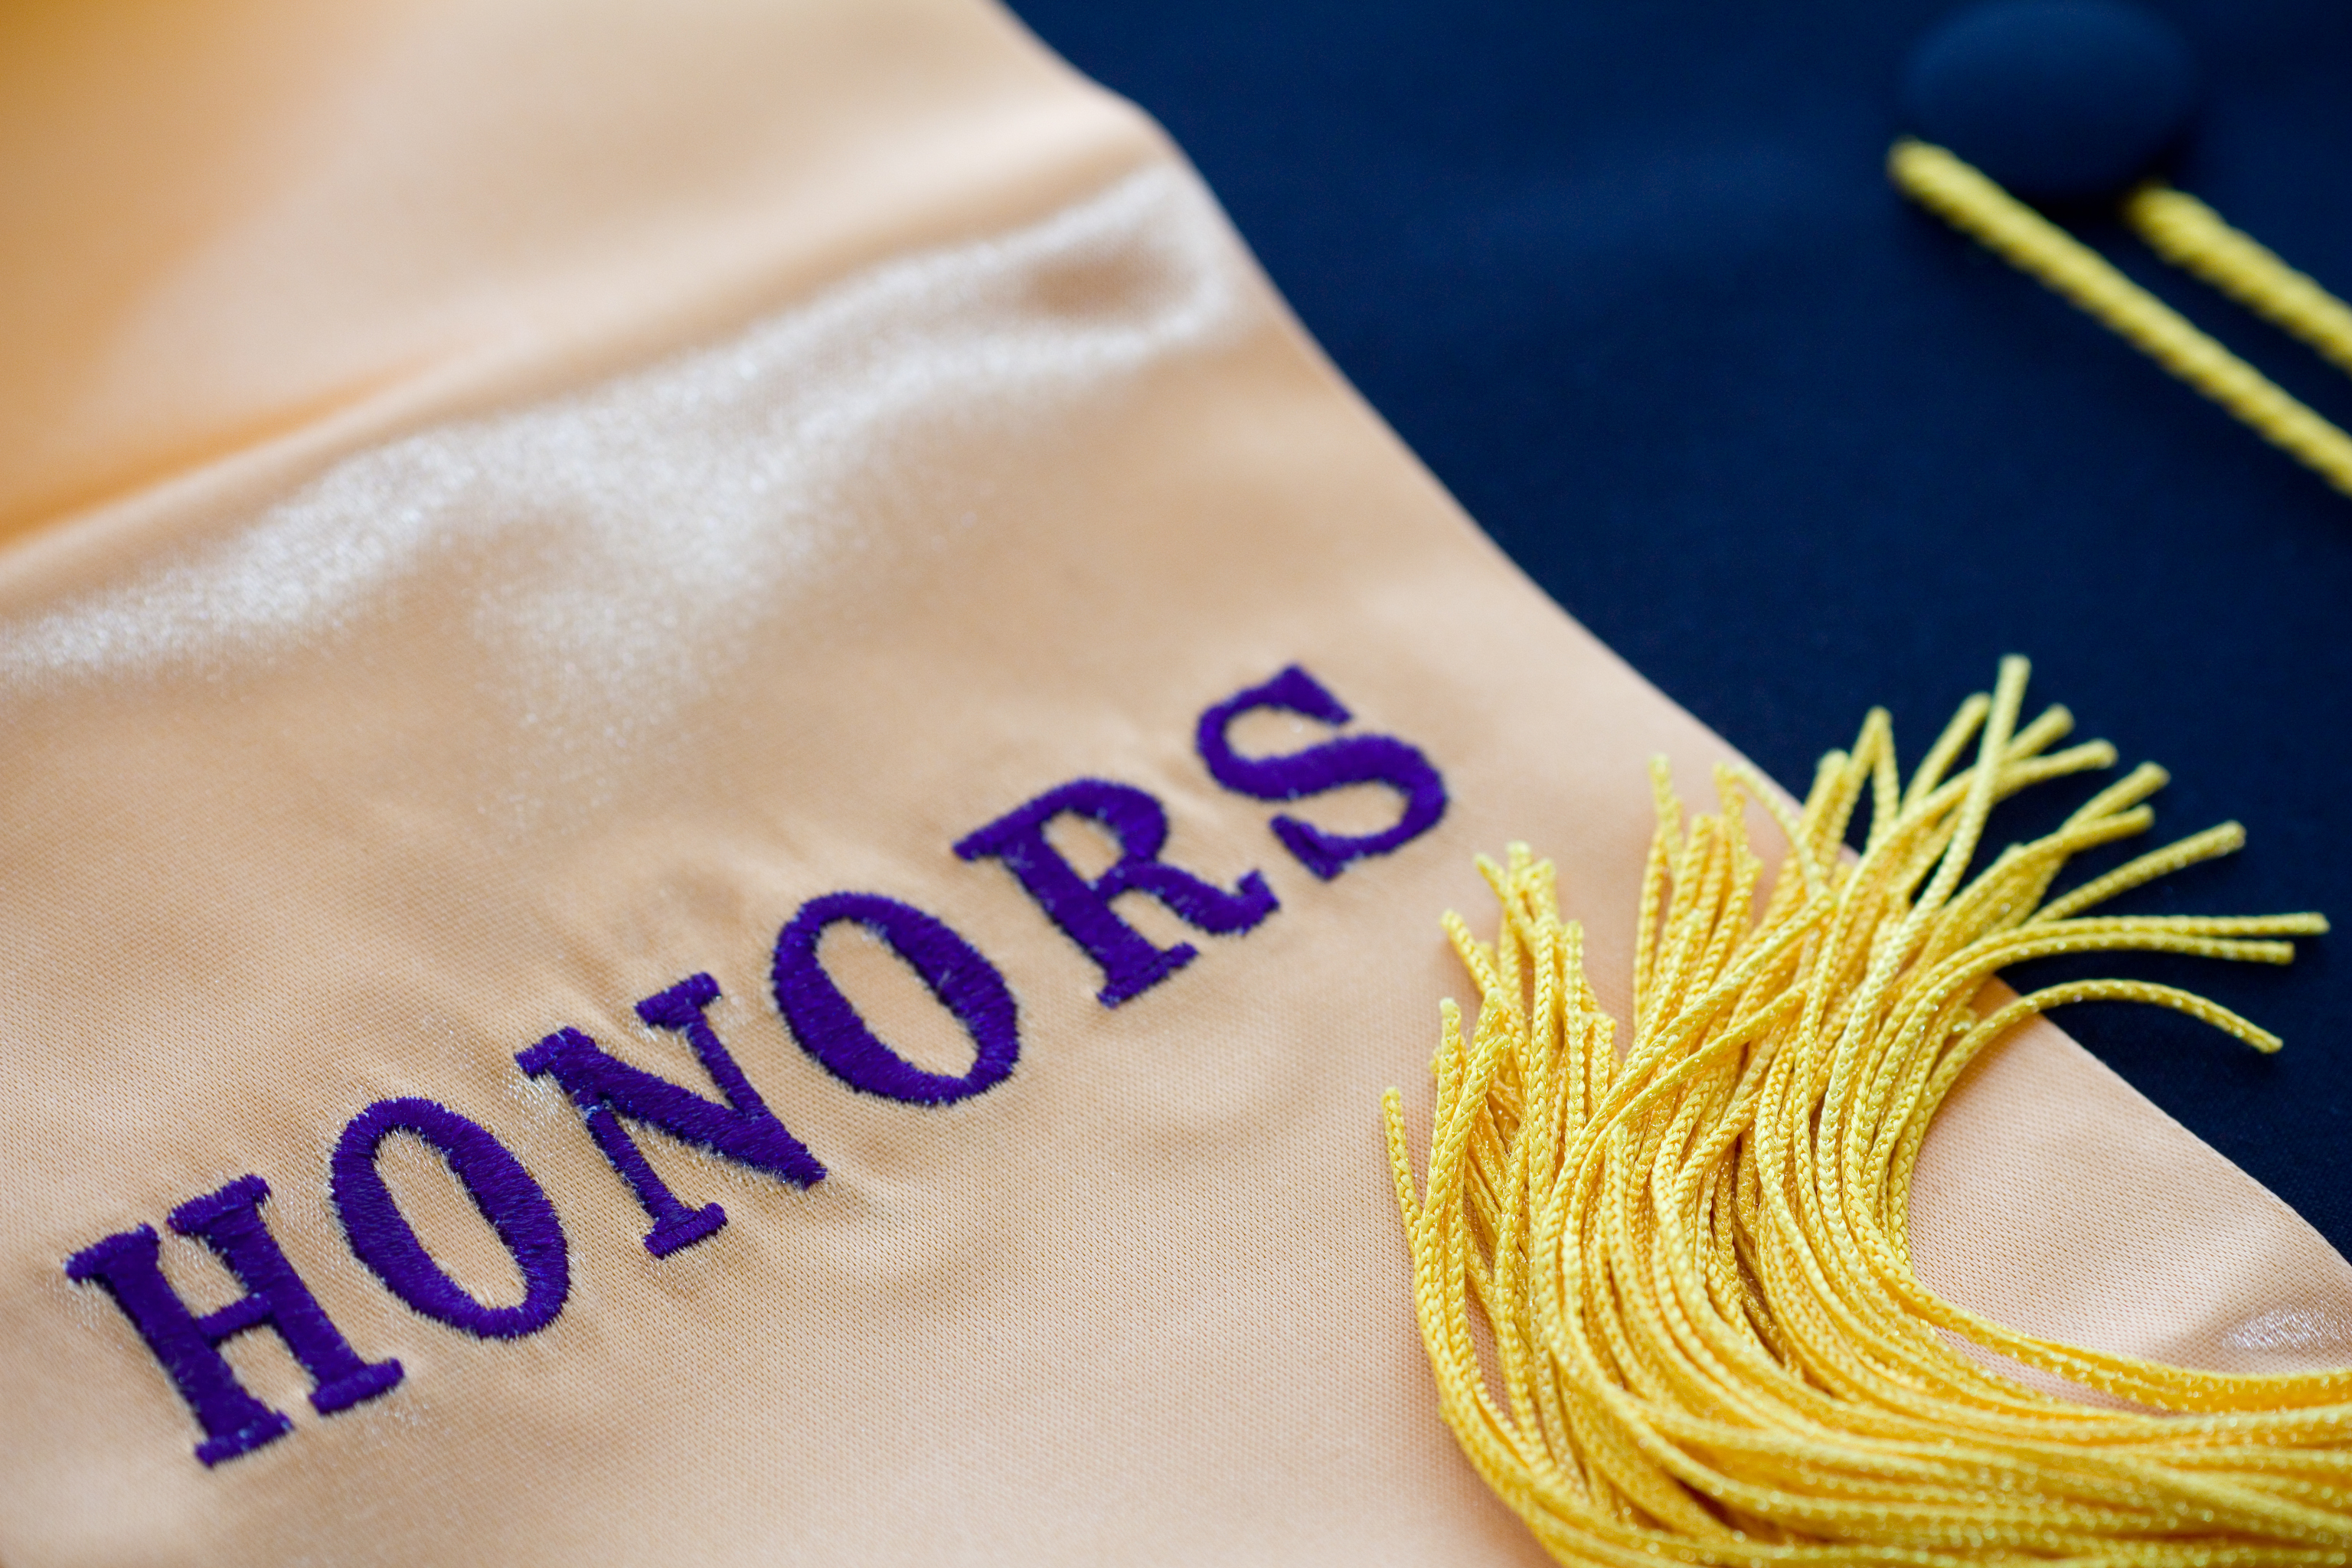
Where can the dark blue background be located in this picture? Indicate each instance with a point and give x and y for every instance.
(1631, 279)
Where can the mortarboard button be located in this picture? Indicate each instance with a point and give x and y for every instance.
(2060, 101)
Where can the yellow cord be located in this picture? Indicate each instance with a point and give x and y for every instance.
(2191, 234)
(1967, 200)
(1668, 1295)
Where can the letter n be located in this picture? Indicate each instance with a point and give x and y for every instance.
(606, 1089)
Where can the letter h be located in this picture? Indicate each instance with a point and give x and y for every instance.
(229, 1222)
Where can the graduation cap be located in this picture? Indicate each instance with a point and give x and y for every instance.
(2073, 100)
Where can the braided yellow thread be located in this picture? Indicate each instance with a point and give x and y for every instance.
(1703, 1340)
(1969, 201)
(2191, 234)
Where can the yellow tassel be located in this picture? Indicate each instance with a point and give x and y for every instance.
(1705, 1341)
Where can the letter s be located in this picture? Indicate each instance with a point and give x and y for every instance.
(1334, 764)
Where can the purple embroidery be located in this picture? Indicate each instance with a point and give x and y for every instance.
(1130, 963)
(506, 1194)
(830, 1029)
(1358, 759)
(605, 1090)
(229, 1222)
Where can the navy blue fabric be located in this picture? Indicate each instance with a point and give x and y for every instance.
(1631, 280)
(2065, 100)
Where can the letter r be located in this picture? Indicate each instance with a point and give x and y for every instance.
(1130, 962)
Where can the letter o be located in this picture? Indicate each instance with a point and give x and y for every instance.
(831, 1030)
(506, 1194)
